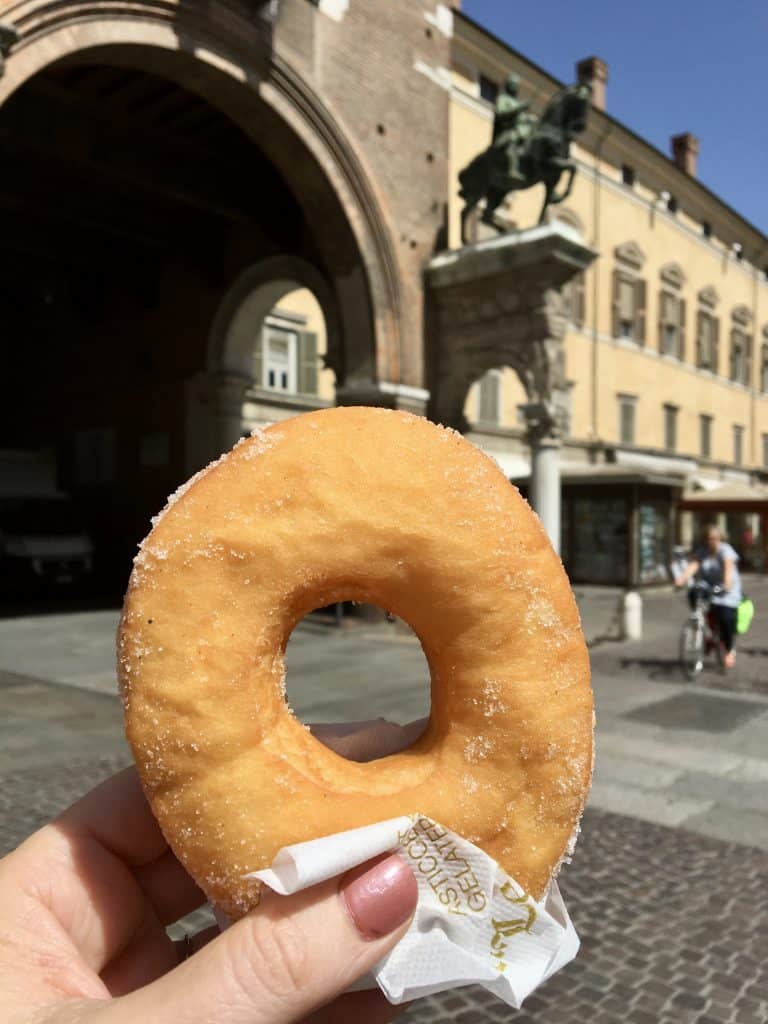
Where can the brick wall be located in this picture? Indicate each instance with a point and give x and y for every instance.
(374, 69)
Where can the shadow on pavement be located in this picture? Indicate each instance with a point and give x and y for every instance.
(660, 669)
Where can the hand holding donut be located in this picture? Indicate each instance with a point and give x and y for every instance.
(84, 904)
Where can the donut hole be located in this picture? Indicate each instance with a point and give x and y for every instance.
(354, 664)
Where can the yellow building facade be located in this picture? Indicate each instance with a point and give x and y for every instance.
(667, 339)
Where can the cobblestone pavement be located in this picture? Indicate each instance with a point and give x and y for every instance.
(674, 920)
(674, 927)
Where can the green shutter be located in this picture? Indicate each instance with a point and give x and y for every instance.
(699, 338)
(490, 385)
(615, 287)
(307, 363)
(640, 291)
(715, 362)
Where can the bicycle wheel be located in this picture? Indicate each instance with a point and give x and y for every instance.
(692, 649)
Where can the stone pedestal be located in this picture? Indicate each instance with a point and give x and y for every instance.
(500, 303)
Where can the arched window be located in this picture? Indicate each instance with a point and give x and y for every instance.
(707, 331)
(672, 312)
(287, 354)
(629, 294)
(741, 346)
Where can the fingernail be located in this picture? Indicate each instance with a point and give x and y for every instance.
(380, 897)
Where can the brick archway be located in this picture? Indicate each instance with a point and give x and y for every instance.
(226, 59)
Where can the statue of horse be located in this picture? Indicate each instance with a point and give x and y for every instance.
(544, 157)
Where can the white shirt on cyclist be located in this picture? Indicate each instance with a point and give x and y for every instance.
(712, 571)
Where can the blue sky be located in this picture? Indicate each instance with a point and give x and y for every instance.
(675, 66)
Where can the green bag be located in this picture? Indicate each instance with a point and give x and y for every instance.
(744, 614)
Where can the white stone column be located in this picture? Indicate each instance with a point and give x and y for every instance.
(545, 485)
(544, 440)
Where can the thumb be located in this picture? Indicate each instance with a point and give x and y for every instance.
(289, 956)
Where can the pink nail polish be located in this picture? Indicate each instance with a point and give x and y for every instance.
(380, 896)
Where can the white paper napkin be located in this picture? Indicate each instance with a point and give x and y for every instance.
(473, 923)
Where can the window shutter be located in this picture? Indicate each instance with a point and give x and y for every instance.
(681, 336)
(700, 337)
(661, 322)
(747, 360)
(307, 363)
(732, 366)
(640, 293)
(488, 411)
(258, 360)
(715, 365)
(615, 303)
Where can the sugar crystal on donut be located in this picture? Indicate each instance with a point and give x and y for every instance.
(432, 531)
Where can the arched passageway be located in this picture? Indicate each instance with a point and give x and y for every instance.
(135, 216)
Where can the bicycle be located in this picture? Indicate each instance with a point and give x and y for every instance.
(700, 634)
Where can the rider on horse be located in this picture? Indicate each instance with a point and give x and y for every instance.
(512, 126)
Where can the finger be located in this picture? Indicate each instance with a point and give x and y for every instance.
(116, 814)
(147, 956)
(287, 958)
(169, 889)
(370, 1006)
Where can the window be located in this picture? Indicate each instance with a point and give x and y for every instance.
(627, 175)
(740, 345)
(628, 307)
(629, 293)
(488, 397)
(574, 300)
(489, 90)
(707, 341)
(764, 366)
(706, 229)
(279, 361)
(705, 436)
(286, 360)
(765, 451)
(670, 427)
(738, 444)
(627, 405)
(671, 324)
(672, 204)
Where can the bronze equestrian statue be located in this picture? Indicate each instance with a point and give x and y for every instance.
(525, 150)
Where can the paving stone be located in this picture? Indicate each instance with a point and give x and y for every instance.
(673, 924)
(703, 712)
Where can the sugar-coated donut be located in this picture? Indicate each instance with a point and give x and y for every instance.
(367, 505)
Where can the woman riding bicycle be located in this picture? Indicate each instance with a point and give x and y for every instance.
(716, 564)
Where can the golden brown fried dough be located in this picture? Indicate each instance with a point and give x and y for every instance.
(367, 505)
